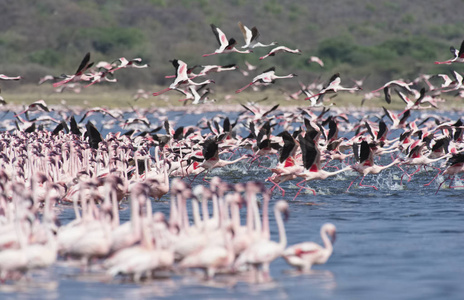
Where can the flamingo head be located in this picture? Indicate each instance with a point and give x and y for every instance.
(331, 231)
(282, 206)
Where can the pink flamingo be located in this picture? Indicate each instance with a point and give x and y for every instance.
(334, 86)
(304, 255)
(5, 77)
(265, 78)
(399, 83)
(316, 60)
(79, 75)
(224, 45)
(181, 77)
(280, 49)
(458, 56)
(251, 37)
(312, 163)
(38, 105)
(261, 253)
(455, 166)
(366, 163)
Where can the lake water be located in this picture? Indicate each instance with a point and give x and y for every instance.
(399, 242)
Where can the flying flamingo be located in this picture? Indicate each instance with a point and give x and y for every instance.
(5, 77)
(79, 75)
(455, 84)
(366, 163)
(251, 37)
(399, 83)
(181, 77)
(316, 60)
(458, 56)
(286, 169)
(215, 68)
(125, 63)
(334, 87)
(36, 106)
(280, 49)
(416, 157)
(306, 254)
(266, 78)
(225, 46)
(312, 163)
(211, 156)
(455, 166)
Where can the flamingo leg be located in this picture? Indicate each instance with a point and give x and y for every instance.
(449, 178)
(240, 90)
(360, 184)
(351, 184)
(204, 177)
(252, 160)
(276, 185)
(410, 176)
(455, 186)
(404, 173)
(205, 55)
(161, 92)
(303, 187)
(433, 179)
(197, 175)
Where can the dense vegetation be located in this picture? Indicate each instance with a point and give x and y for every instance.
(383, 39)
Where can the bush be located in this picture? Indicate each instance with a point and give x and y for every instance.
(46, 57)
(106, 40)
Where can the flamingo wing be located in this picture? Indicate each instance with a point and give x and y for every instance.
(461, 50)
(84, 64)
(247, 34)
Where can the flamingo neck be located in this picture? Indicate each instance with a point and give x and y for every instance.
(281, 227)
(196, 213)
(135, 216)
(325, 239)
(265, 222)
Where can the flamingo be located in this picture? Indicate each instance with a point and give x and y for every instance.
(5, 77)
(312, 163)
(212, 257)
(280, 49)
(455, 84)
(316, 60)
(216, 69)
(211, 156)
(36, 106)
(286, 169)
(304, 255)
(397, 122)
(262, 252)
(415, 157)
(79, 75)
(251, 37)
(224, 45)
(366, 163)
(458, 56)
(181, 77)
(455, 166)
(265, 78)
(125, 63)
(334, 86)
(399, 83)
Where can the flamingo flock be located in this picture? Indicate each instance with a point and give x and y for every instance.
(46, 163)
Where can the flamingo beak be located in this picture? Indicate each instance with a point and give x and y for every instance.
(334, 236)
